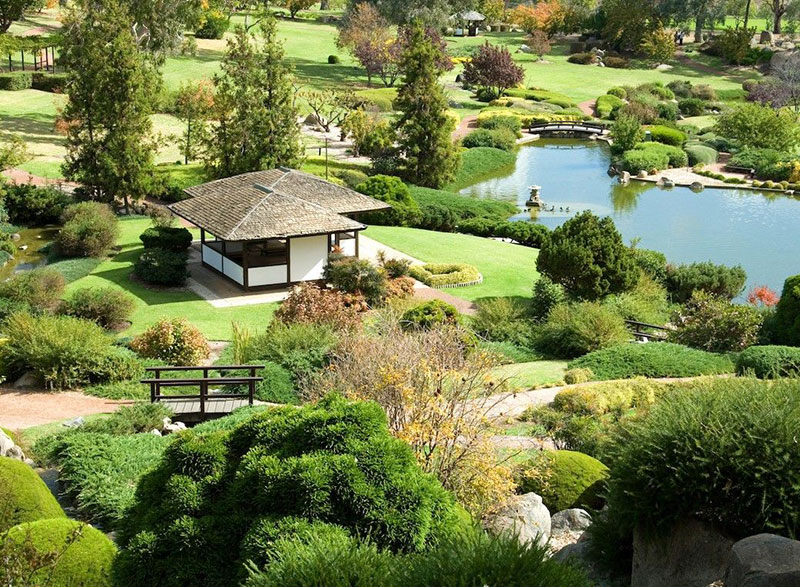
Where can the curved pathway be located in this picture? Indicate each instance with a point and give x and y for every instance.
(466, 126)
(24, 408)
(588, 107)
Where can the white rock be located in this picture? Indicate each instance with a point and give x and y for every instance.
(525, 516)
(155, 432)
(571, 520)
(6, 444)
(74, 423)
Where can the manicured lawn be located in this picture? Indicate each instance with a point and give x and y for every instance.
(534, 374)
(479, 163)
(152, 305)
(508, 270)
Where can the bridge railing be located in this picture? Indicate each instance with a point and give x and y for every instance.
(571, 124)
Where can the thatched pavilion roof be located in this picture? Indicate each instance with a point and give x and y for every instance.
(276, 203)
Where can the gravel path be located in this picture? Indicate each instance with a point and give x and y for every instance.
(24, 408)
(587, 107)
(466, 126)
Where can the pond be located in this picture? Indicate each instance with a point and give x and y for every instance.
(760, 231)
(33, 240)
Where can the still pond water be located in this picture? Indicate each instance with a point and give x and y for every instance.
(759, 231)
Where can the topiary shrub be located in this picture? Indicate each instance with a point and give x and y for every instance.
(29, 205)
(333, 60)
(769, 362)
(428, 315)
(170, 238)
(679, 461)
(616, 62)
(582, 58)
(108, 307)
(445, 274)
(90, 229)
(572, 330)
(23, 495)
(618, 92)
(564, 479)
(667, 135)
(162, 267)
(607, 104)
(215, 498)
(39, 289)
(83, 555)
(787, 313)
(654, 359)
(174, 341)
(579, 375)
(702, 155)
(404, 209)
(61, 351)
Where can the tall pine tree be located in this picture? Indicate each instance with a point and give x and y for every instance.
(256, 126)
(424, 130)
(111, 83)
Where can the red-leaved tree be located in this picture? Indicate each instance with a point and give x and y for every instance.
(493, 70)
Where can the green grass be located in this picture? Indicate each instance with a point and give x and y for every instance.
(522, 376)
(508, 270)
(479, 163)
(151, 304)
(184, 176)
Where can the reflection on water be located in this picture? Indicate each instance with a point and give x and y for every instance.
(757, 231)
(29, 250)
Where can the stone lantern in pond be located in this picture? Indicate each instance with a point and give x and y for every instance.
(534, 200)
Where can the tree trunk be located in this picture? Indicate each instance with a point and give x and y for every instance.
(746, 13)
(776, 28)
(188, 142)
(325, 5)
(698, 30)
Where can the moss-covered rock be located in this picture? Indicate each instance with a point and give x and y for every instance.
(85, 555)
(565, 479)
(23, 495)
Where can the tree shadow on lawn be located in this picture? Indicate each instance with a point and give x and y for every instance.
(31, 129)
(121, 277)
(327, 75)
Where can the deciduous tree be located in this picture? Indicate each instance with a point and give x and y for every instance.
(330, 107)
(111, 84)
(539, 43)
(367, 36)
(658, 45)
(493, 69)
(256, 118)
(193, 105)
(424, 129)
(295, 6)
(754, 125)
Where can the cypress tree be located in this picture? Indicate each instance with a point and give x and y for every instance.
(424, 129)
(256, 126)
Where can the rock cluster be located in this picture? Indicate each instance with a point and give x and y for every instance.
(8, 448)
(525, 516)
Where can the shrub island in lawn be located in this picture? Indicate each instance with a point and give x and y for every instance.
(440, 275)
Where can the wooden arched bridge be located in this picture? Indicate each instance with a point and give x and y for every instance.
(568, 126)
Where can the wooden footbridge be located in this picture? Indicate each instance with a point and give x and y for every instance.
(568, 127)
(214, 397)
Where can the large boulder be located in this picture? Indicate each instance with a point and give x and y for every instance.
(567, 528)
(525, 516)
(766, 38)
(764, 560)
(694, 554)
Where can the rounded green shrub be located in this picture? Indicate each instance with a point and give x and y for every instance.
(607, 104)
(85, 555)
(23, 495)
(175, 341)
(213, 25)
(499, 138)
(510, 122)
(692, 107)
(667, 135)
(334, 461)
(171, 238)
(565, 479)
(635, 160)
(105, 306)
(429, 314)
(89, 230)
(701, 155)
(618, 92)
(724, 452)
(674, 155)
(39, 289)
(580, 375)
(404, 209)
(654, 359)
(334, 60)
(30, 205)
(769, 362)
(572, 330)
(787, 313)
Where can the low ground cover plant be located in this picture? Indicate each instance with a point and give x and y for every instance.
(769, 362)
(654, 359)
(106, 306)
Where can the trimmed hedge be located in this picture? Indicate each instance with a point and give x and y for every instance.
(769, 362)
(85, 561)
(443, 211)
(162, 267)
(445, 274)
(701, 155)
(170, 238)
(16, 81)
(654, 359)
(523, 233)
(23, 495)
(565, 479)
(499, 138)
(429, 314)
(692, 107)
(582, 58)
(50, 82)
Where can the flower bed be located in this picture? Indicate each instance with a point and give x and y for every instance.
(441, 275)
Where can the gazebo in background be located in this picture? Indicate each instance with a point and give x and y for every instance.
(469, 20)
(41, 48)
(274, 228)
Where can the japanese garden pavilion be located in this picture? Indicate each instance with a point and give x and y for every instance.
(274, 228)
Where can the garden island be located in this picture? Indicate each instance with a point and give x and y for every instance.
(399, 292)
